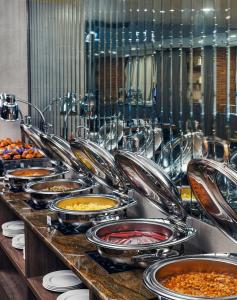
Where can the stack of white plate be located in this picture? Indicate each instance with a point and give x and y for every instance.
(82, 294)
(13, 228)
(18, 241)
(61, 281)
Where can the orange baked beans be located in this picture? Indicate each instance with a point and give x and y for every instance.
(203, 284)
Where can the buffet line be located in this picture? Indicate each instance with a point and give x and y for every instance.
(153, 244)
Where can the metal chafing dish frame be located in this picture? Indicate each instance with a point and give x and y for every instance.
(139, 255)
(89, 154)
(52, 170)
(151, 182)
(39, 196)
(19, 182)
(150, 280)
(89, 218)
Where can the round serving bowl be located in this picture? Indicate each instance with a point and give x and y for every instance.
(155, 274)
(18, 180)
(138, 254)
(45, 191)
(119, 205)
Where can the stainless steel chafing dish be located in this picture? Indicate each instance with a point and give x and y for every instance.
(156, 273)
(151, 182)
(138, 254)
(214, 185)
(98, 163)
(41, 193)
(88, 218)
(19, 182)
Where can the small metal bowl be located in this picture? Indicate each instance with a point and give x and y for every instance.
(39, 195)
(88, 218)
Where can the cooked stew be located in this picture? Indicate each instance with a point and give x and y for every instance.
(87, 203)
(201, 284)
(31, 172)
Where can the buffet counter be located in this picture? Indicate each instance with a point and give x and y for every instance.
(49, 250)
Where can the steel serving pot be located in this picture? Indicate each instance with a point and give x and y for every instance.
(142, 254)
(19, 182)
(156, 273)
(40, 196)
(89, 218)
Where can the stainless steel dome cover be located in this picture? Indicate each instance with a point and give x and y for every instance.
(99, 163)
(204, 178)
(33, 134)
(60, 150)
(150, 180)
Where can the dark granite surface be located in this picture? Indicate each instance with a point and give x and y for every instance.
(72, 251)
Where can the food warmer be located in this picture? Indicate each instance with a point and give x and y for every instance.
(98, 163)
(155, 275)
(153, 184)
(44, 191)
(59, 152)
(214, 185)
(18, 178)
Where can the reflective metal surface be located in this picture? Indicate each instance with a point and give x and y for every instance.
(154, 274)
(209, 180)
(39, 192)
(140, 255)
(34, 135)
(110, 135)
(151, 181)
(19, 182)
(177, 153)
(145, 141)
(88, 218)
(59, 150)
(9, 108)
(99, 163)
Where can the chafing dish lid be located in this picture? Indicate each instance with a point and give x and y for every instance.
(33, 134)
(98, 162)
(149, 180)
(214, 185)
(60, 150)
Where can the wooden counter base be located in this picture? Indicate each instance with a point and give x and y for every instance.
(49, 250)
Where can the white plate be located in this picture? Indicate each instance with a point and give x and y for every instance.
(60, 290)
(16, 246)
(82, 294)
(10, 234)
(18, 241)
(13, 225)
(61, 279)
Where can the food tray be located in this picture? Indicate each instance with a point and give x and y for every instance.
(22, 163)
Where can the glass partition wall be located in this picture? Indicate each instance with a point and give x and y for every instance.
(157, 77)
